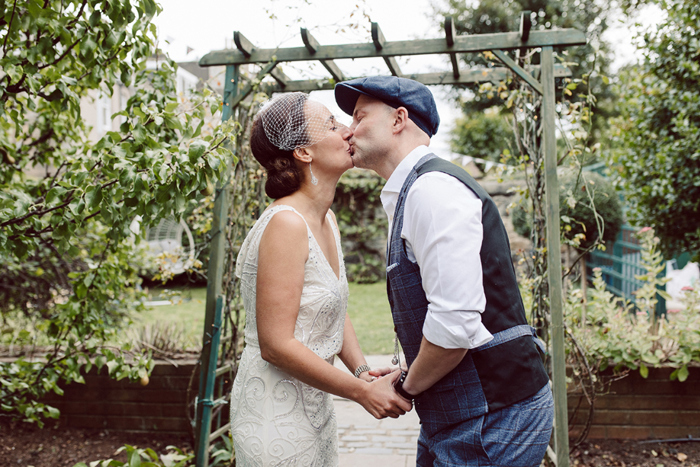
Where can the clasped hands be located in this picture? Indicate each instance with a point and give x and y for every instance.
(381, 399)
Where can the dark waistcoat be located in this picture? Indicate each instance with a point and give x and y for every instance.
(492, 376)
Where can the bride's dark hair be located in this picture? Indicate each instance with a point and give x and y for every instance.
(283, 175)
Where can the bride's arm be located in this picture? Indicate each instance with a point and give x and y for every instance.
(282, 255)
(351, 353)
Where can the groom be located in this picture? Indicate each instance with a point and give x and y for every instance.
(474, 371)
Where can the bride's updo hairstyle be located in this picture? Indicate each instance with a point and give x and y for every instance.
(286, 122)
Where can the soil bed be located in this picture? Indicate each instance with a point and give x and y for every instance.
(24, 445)
(54, 446)
(628, 453)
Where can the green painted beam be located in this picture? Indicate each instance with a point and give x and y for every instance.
(450, 34)
(518, 70)
(379, 40)
(561, 424)
(462, 44)
(242, 44)
(466, 76)
(248, 88)
(312, 46)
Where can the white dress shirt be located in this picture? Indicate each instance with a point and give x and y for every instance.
(443, 232)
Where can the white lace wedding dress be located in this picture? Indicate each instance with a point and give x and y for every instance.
(276, 420)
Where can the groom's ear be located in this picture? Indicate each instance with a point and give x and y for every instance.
(302, 154)
(400, 120)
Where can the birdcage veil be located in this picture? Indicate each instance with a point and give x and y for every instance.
(292, 121)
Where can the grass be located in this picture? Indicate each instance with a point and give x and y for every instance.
(370, 314)
(368, 307)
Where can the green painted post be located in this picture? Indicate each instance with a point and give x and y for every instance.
(205, 403)
(214, 278)
(561, 434)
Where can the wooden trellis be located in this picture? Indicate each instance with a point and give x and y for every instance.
(539, 78)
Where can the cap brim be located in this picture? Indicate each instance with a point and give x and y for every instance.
(346, 97)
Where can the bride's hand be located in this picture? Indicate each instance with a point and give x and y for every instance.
(381, 400)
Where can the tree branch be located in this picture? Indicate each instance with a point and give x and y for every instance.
(9, 28)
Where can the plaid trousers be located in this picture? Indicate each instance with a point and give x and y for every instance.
(515, 436)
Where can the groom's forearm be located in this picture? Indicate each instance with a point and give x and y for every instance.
(430, 366)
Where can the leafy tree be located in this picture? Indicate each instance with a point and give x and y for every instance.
(586, 62)
(590, 209)
(658, 166)
(68, 248)
(484, 135)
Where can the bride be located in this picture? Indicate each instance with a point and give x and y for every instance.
(295, 295)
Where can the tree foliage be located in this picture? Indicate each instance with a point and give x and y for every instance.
(362, 224)
(590, 210)
(658, 166)
(585, 62)
(485, 135)
(68, 248)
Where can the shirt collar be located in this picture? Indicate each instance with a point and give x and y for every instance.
(392, 188)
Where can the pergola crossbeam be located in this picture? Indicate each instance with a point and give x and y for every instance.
(466, 76)
(379, 41)
(518, 70)
(243, 93)
(312, 46)
(450, 39)
(243, 45)
(462, 44)
(525, 26)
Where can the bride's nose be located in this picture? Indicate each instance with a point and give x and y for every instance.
(347, 133)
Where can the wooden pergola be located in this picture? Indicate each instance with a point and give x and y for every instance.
(539, 78)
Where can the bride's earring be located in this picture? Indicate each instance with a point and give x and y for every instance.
(314, 180)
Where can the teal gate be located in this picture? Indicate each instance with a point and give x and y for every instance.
(620, 263)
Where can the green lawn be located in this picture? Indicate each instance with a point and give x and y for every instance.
(368, 308)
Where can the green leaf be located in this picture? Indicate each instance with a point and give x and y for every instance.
(683, 373)
(171, 106)
(643, 370)
(196, 150)
(93, 197)
(135, 459)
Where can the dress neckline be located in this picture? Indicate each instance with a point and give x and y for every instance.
(336, 236)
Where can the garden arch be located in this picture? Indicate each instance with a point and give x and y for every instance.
(540, 79)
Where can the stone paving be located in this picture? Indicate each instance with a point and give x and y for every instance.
(368, 442)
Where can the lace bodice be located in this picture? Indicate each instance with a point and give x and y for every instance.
(277, 419)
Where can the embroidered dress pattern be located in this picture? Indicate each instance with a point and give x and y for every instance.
(276, 420)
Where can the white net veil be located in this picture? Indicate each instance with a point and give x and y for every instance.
(292, 121)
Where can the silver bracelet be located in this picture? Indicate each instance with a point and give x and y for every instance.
(361, 369)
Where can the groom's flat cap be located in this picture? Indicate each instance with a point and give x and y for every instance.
(394, 92)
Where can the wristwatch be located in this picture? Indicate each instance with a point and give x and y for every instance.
(398, 386)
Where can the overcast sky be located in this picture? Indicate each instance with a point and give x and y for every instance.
(188, 30)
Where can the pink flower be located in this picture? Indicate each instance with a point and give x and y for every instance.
(645, 229)
(597, 269)
(688, 288)
(673, 310)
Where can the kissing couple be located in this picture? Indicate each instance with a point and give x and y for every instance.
(474, 371)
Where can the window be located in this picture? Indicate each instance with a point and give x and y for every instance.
(104, 113)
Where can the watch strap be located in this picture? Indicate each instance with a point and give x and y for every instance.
(398, 387)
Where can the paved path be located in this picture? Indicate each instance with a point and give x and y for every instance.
(367, 442)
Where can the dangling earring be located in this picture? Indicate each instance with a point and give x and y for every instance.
(314, 180)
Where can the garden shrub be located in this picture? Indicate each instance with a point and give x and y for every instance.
(362, 224)
(582, 219)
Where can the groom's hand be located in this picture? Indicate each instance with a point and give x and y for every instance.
(383, 401)
(379, 372)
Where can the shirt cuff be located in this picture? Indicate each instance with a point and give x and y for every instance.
(456, 329)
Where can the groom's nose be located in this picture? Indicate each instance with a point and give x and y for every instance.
(347, 133)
